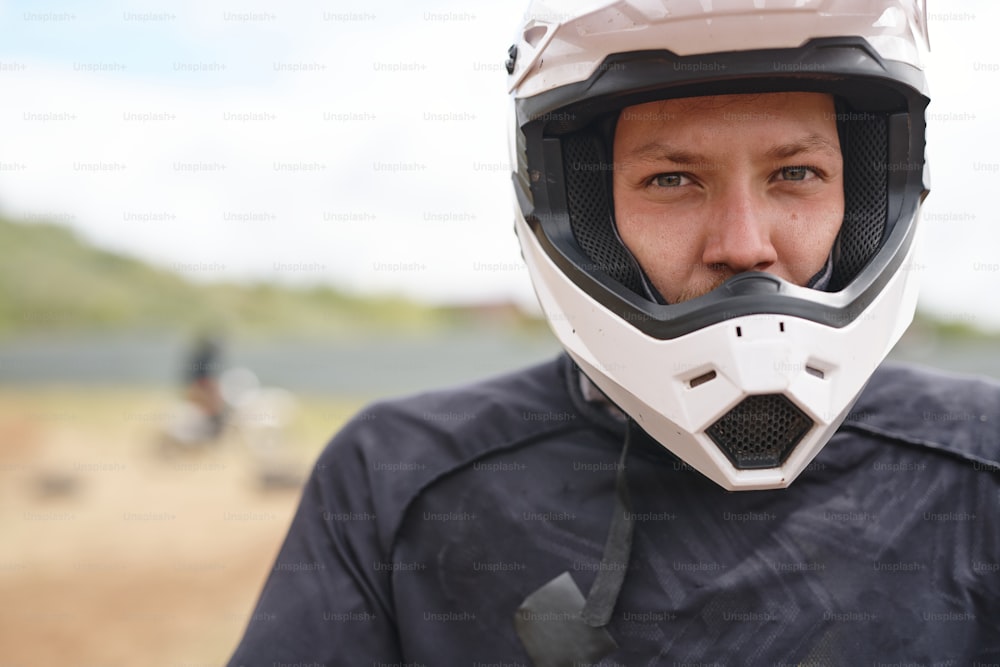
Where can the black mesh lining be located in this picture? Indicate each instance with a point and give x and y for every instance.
(589, 206)
(760, 432)
(865, 146)
(866, 202)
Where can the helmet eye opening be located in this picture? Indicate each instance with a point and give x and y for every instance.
(588, 170)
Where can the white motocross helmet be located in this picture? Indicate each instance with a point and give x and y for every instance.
(748, 382)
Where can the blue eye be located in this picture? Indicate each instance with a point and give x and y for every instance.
(794, 173)
(668, 180)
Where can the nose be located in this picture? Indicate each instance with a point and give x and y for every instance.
(739, 233)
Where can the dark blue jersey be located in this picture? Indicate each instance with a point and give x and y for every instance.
(428, 521)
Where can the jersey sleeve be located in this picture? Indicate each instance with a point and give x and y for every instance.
(326, 600)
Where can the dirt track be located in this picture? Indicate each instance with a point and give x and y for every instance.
(112, 555)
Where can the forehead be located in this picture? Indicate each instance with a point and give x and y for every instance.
(698, 119)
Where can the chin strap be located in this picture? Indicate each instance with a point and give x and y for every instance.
(821, 280)
(558, 627)
(617, 550)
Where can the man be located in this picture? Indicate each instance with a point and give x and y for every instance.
(717, 207)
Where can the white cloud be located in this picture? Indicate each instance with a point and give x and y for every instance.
(353, 153)
(356, 140)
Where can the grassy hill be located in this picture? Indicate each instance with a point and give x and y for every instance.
(53, 281)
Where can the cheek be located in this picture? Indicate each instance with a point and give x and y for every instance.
(646, 228)
(627, 220)
(807, 245)
(658, 243)
(633, 223)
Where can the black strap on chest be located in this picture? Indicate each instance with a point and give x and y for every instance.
(558, 627)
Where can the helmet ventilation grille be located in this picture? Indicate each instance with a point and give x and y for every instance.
(589, 209)
(865, 195)
(760, 432)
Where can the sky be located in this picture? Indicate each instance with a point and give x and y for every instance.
(363, 144)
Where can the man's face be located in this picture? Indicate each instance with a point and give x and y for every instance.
(709, 187)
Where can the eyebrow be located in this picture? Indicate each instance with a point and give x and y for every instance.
(658, 151)
(812, 142)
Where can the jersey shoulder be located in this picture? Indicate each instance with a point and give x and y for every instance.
(923, 407)
(394, 450)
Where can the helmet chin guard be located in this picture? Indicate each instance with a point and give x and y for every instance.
(748, 382)
(748, 401)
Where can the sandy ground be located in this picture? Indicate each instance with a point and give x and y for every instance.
(112, 554)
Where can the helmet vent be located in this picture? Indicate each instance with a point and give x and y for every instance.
(701, 379)
(760, 432)
(589, 209)
(865, 195)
